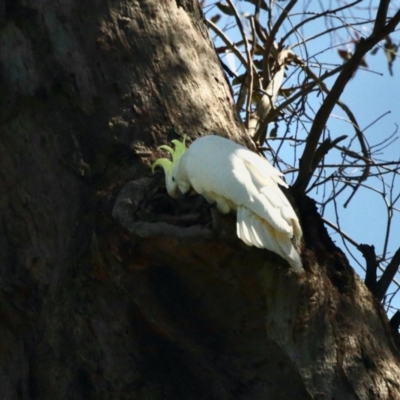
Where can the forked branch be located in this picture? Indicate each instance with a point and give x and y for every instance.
(363, 46)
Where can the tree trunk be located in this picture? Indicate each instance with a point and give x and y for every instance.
(112, 290)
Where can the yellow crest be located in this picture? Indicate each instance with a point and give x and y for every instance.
(180, 148)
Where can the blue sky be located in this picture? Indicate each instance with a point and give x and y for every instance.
(370, 94)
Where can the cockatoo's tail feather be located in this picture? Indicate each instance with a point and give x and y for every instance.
(237, 179)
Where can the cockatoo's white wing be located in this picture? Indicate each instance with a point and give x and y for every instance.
(255, 231)
(238, 179)
(221, 169)
(266, 179)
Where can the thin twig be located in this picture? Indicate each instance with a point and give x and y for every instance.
(388, 276)
(249, 61)
(362, 47)
(271, 38)
(322, 14)
(228, 42)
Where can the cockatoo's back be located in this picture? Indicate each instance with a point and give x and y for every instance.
(215, 165)
(238, 179)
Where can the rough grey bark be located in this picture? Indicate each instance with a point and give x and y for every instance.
(112, 290)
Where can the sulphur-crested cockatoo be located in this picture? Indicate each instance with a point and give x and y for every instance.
(237, 179)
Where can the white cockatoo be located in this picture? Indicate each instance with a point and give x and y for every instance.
(237, 179)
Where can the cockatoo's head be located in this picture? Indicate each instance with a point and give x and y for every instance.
(171, 168)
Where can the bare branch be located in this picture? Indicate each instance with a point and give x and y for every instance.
(257, 124)
(368, 253)
(271, 38)
(319, 15)
(228, 42)
(324, 148)
(387, 276)
(249, 79)
(381, 15)
(305, 89)
(343, 234)
(395, 321)
(287, 92)
(363, 46)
